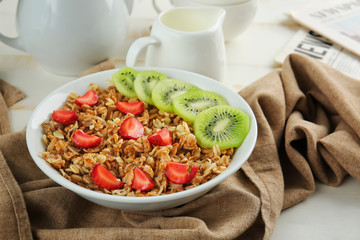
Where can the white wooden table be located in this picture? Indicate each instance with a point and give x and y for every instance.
(330, 213)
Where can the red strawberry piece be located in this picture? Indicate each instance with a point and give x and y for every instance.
(64, 117)
(161, 138)
(90, 98)
(141, 181)
(104, 178)
(135, 108)
(180, 173)
(131, 128)
(84, 140)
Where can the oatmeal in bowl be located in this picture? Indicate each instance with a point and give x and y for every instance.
(129, 151)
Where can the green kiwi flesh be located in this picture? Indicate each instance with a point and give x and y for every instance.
(166, 90)
(223, 125)
(144, 83)
(123, 80)
(193, 102)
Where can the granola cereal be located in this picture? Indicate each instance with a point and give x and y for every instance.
(120, 156)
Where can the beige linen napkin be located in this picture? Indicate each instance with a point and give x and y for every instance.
(309, 125)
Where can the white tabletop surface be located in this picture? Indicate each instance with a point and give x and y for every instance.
(330, 213)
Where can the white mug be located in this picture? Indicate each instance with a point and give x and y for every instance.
(185, 38)
(239, 13)
(67, 36)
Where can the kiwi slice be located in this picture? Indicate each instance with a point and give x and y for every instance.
(166, 90)
(224, 125)
(144, 83)
(123, 80)
(193, 102)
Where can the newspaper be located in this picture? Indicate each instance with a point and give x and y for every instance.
(314, 45)
(337, 20)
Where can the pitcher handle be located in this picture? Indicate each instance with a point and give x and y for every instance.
(156, 7)
(129, 5)
(136, 48)
(12, 42)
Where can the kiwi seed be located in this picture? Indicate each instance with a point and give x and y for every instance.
(166, 90)
(193, 102)
(144, 83)
(123, 80)
(224, 125)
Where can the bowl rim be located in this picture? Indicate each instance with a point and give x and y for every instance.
(61, 180)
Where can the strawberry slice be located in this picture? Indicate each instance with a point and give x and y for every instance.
(135, 108)
(64, 117)
(161, 138)
(131, 128)
(84, 140)
(104, 178)
(141, 181)
(180, 173)
(90, 98)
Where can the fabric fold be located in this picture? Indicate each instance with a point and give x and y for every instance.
(9, 95)
(14, 220)
(329, 114)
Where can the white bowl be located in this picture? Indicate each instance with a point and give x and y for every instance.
(57, 98)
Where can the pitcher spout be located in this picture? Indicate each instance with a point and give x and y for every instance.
(218, 15)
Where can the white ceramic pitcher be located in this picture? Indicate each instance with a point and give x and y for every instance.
(185, 38)
(68, 36)
(239, 13)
